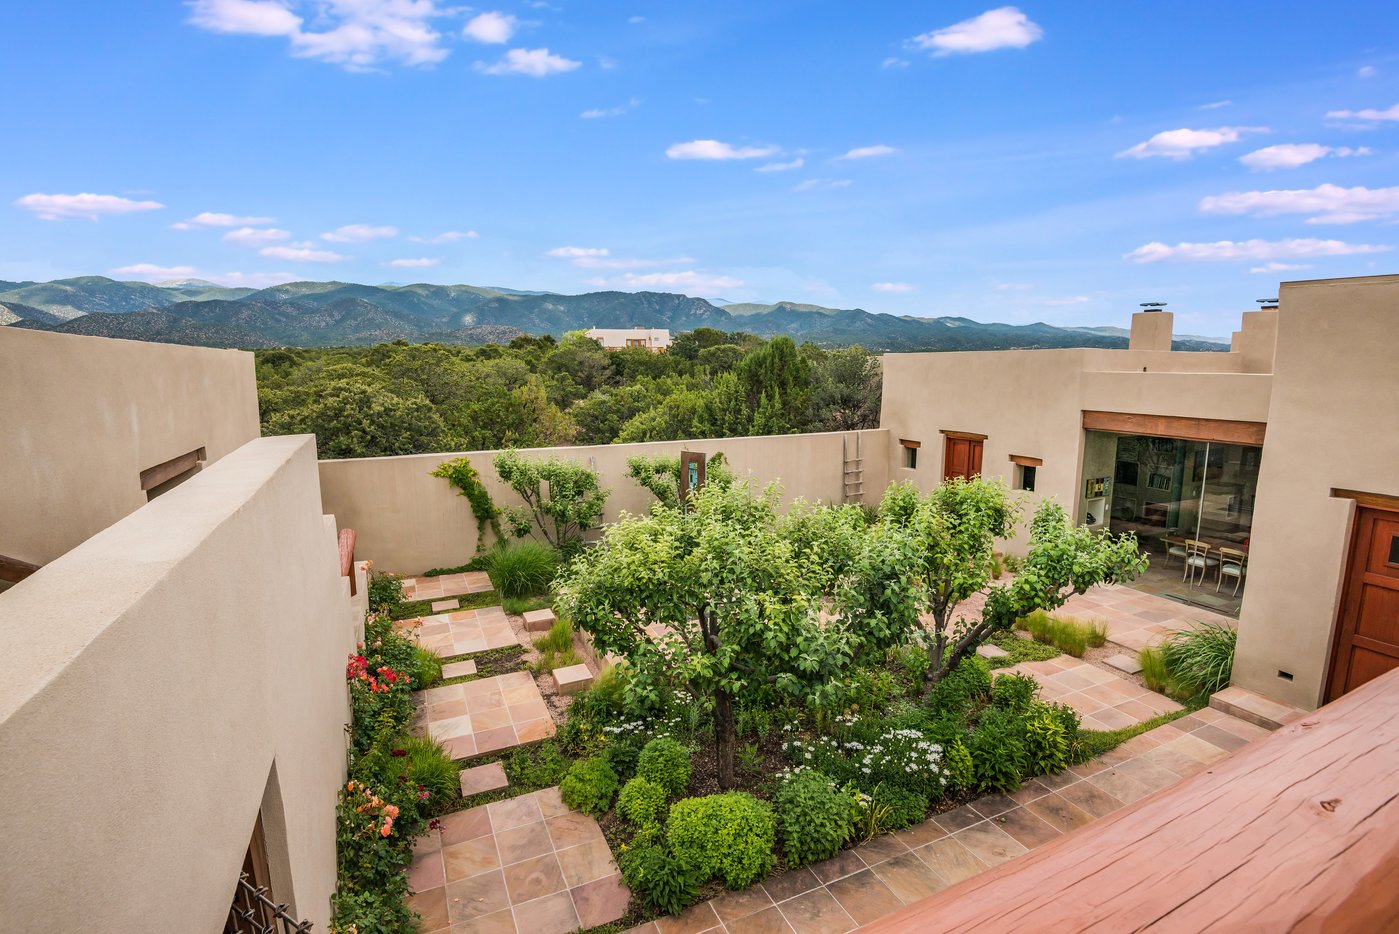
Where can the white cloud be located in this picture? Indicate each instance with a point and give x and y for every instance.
(893, 62)
(1184, 143)
(1215, 105)
(712, 149)
(357, 34)
(447, 236)
(600, 112)
(1002, 28)
(245, 17)
(689, 279)
(892, 287)
(1234, 250)
(85, 205)
(358, 233)
(1065, 300)
(1291, 155)
(493, 28)
(300, 253)
(151, 272)
(796, 163)
(421, 262)
(574, 252)
(1328, 204)
(1366, 71)
(256, 236)
(1280, 267)
(822, 184)
(1368, 115)
(636, 20)
(214, 219)
(537, 63)
(868, 152)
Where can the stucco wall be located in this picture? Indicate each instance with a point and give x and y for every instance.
(83, 416)
(1030, 403)
(154, 674)
(409, 521)
(1333, 423)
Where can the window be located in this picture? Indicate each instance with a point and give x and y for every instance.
(636, 342)
(910, 453)
(1025, 469)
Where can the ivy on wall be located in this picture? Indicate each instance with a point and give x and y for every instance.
(464, 477)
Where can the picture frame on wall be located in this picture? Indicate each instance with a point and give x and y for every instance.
(1160, 482)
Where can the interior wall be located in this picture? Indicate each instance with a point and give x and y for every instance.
(408, 521)
(156, 673)
(1332, 424)
(83, 416)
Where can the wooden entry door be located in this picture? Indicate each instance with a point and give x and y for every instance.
(961, 458)
(1367, 632)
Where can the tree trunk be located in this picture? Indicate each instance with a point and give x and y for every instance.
(725, 737)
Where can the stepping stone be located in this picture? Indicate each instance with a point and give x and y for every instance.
(1127, 663)
(481, 778)
(991, 651)
(540, 620)
(459, 669)
(441, 606)
(573, 678)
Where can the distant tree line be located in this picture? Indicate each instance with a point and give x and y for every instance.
(402, 398)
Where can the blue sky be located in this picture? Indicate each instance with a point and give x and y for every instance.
(1052, 161)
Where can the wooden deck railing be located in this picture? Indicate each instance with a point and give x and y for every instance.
(1299, 831)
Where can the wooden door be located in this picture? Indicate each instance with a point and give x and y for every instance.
(1367, 631)
(961, 458)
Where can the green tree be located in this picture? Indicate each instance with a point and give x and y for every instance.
(845, 390)
(673, 420)
(563, 498)
(717, 602)
(724, 410)
(354, 418)
(953, 532)
(778, 373)
(721, 358)
(660, 473)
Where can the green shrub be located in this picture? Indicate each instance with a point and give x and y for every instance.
(385, 593)
(427, 667)
(998, 753)
(1200, 659)
(661, 880)
(1019, 650)
(556, 648)
(589, 786)
(535, 767)
(1070, 637)
(518, 606)
(1046, 745)
(963, 686)
(957, 761)
(815, 816)
(729, 835)
(1097, 634)
(1154, 671)
(903, 806)
(1069, 721)
(642, 802)
(1014, 692)
(522, 568)
(665, 762)
(622, 754)
(381, 911)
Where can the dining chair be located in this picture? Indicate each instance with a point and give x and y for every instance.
(1175, 548)
(1232, 563)
(1197, 558)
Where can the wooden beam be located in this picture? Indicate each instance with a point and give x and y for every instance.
(910, 444)
(346, 542)
(14, 570)
(1297, 831)
(1373, 500)
(1221, 430)
(153, 477)
(1024, 461)
(964, 435)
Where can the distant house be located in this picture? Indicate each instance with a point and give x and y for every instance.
(656, 340)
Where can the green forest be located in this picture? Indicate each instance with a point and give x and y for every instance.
(402, 398)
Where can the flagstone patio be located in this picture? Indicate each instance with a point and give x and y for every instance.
(526, 864)
(878, 877)
(445, 585)
(464, 631)
(1135, 619)
(483, 716)
(1103, 700)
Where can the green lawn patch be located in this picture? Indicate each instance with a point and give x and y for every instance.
(1094, 743)
(1019, 650)
(467, 601)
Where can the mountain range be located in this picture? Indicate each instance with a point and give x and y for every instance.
(326, 314)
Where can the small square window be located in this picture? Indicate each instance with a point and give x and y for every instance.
(1026, 480)
(910, 458)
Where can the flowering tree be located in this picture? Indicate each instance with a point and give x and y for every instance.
(728, 596)
(562, 497)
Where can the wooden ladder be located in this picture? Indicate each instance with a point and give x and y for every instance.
(853, 471)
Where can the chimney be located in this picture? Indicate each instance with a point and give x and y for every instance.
(1152, 328)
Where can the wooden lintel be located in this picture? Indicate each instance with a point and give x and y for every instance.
(964, 435)
(13, 570)
(1222, 430)
(1024, 461)
(910, 444)
(153, 477)
(1373, 500)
